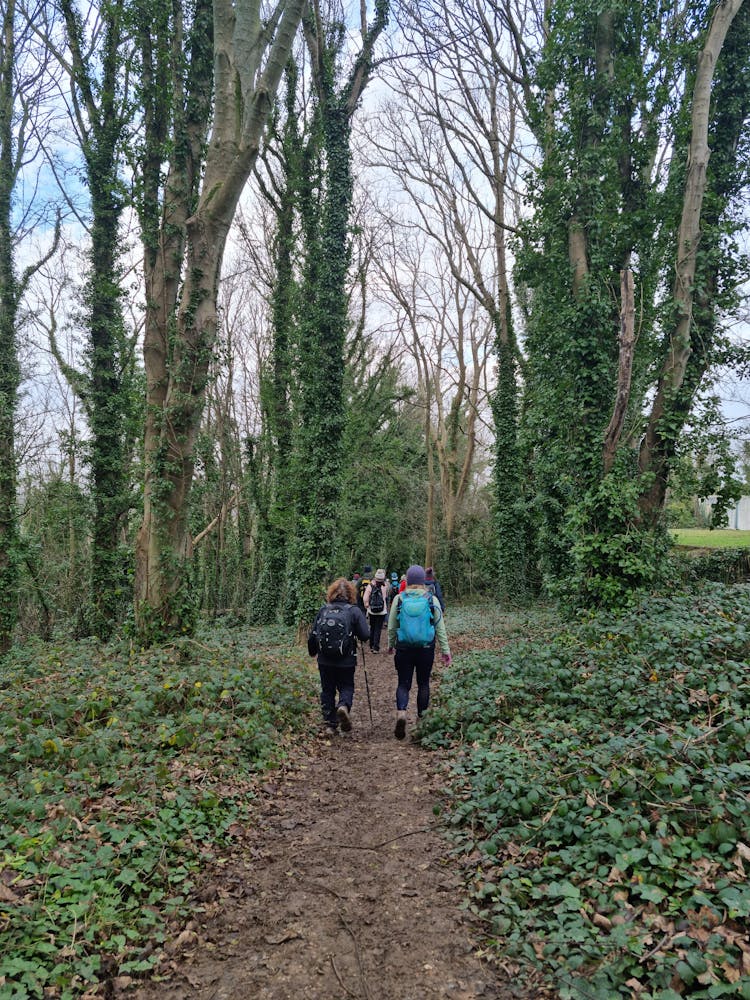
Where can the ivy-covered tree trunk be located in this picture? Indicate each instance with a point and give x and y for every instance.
(249, 55)
(607, 205)
(176, 97)
(107, 385)
(316, 466)
(274, 503)
(317, 463)
(9, 369)
(701, 261)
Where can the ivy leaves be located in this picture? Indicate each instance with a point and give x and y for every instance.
(600, 796)
(120, 773)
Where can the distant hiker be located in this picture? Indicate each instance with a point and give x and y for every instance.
(402, 583)
(333, 639)
(393, 590)
(414, 624)
(433, 585)
(376, 600)
(363, 583)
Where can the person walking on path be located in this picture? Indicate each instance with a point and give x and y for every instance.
(433, 584)
(333, 639)
(363, 582)
(415, 623)
(376, 603)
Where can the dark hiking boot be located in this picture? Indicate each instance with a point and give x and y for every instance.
(400, 730)
(344, 721)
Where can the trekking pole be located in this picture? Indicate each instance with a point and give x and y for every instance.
(367, 683)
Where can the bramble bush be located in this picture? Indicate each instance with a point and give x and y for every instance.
(121, 774)
(599, 795)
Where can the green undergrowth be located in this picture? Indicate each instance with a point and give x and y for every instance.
(122, 773)
(493, 622)
(599, 797)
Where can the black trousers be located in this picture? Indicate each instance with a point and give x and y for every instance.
(376, 627)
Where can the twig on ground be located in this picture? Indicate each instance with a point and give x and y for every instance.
(376, 847)
(341, 981)
(665, 940)
(358, 955)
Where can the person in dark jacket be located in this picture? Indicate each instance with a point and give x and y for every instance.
(376, 609)
(337, 667)
(432, 584)
(363, 583)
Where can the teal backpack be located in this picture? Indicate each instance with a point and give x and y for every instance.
(415, 625)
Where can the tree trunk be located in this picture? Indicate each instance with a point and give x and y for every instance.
(658, 442)
(624, 370)
(9, 369)
(244, 90)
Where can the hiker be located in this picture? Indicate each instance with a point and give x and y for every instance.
(376, 600)
(414, 624)
(402, 583)
(393, 590)
(333, 639)
(433, 584)
(362, 584)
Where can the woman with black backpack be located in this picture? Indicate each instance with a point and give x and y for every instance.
(333, 639)
(376, 603)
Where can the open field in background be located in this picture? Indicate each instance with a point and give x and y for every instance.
(720, 538)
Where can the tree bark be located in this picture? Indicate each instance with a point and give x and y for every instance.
(657, 445)
(244, 87)
(624, 369)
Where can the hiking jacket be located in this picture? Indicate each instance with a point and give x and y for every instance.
(384, 586)
(441, 635)
(432, 584)
(360, 628)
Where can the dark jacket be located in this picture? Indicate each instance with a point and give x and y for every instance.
(432, 584)
(360, 628)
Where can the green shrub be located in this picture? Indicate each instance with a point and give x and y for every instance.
(721, 565)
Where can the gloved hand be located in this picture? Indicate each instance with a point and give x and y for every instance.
(446, 658)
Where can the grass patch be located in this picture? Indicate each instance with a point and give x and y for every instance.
(599, 797)
(122, 773)
(720, 538)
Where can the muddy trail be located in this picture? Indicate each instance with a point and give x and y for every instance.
(343, 884)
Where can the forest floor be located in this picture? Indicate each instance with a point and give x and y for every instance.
(343, 885)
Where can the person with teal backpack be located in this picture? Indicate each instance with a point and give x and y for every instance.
(415, 624)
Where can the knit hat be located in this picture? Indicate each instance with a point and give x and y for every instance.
(394, 576)
(367, 570)
(380, 575)
(414, 576)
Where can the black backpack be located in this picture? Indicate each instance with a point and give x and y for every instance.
(334, 630)
(377, 602)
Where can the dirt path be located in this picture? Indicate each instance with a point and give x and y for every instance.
(344, 887)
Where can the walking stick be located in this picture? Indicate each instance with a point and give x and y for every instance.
(367, 683)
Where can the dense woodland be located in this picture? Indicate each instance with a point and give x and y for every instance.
(284, 290)
(288, 289)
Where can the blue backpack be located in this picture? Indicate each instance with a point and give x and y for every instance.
(415, 625)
